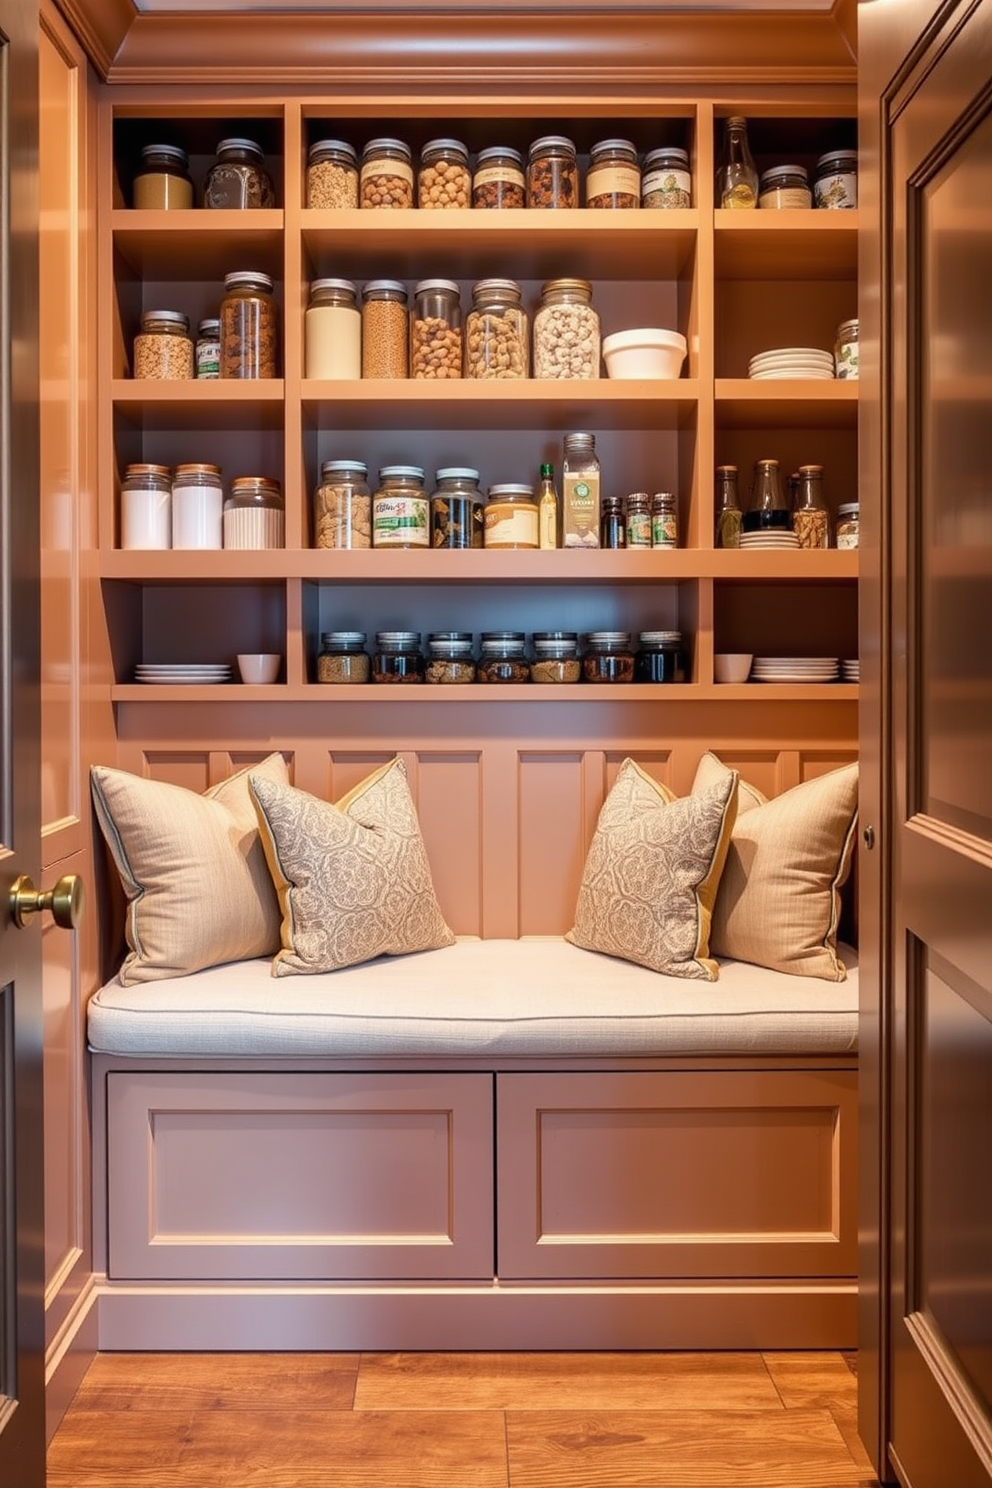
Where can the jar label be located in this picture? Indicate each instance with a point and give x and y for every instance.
(665, 531)
(846, 361)
(610, 180)
(836, 191)
(511, 526)
(668, 183)
(400, 169)
(509, 175)
(639, 530)
(785, 196)
(208, 359)
(400, 522)
(847, 539)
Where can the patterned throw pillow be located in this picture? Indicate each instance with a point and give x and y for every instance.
(353, 879)
(651, 876)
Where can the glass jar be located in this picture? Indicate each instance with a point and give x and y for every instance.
(638, 520)
(163, 183)
(385, 329)
(612, 523)
(332, 176)
(502, 657)
(386, 181)
(332, 332)
(552, 173)
(785, 186)
(400, 509)
(499, 180)
(253, 513)
(810, 518)
(846, 351)
(343, 659)
(449, 658)
(556, 657)
(238, 178)
(436, 330)
(342, 506)
(146, 507)
(566, 331)
(767, 507)
(836, 181)
(660, 657)
(398, 657)
(163, 351)
(728, 508)
(456, 509)
(197, 507)
(208, 349)
(496, 332)
(848, 524)
(444, 181)
(736, 175)
(608, 657)
(666, 181)
(613, 179)
(580, 488)
(247, 326)
(664, 520)
(511, 517)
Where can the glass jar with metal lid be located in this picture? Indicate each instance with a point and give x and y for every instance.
(342, 506)
(253, 513)
(638, 520)
(385, 329)
(163, 351)
(197, 506)
(660, 657)
(511, 516)
(444, 181)
(343, 659)
(238, 178)
(400, 509)
(666, 180)
(386, 179)
(499, 180)
(248, 331)
(846, 351)
(785, 186)
(848, 524)
(608, 657)
(810, 518)
(552, 173)
(836, 181)
(496, 344)
(163, 183)
(146, 506)
(664, 520)
(502, 657)
(457, 509)
(332, 176)
(207, 351)
(436, 330)
(449, 658)
(556, 657)
(566, 331)
(332, 332)
(398, 658)
(614, 176)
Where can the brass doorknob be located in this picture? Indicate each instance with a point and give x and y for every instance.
(66, 901)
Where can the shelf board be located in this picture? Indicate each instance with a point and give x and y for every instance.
(789, 244)
(207, 403)
(197, 244)
(746, 403)
(499, 694)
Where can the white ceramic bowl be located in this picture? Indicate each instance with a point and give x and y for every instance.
(259, 666)
(646, 352)
(732, 666)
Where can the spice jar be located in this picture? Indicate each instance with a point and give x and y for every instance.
(238, 178)
(608, 657)
(614, 176)
(846, 351)
(664, 520)
(499, 178)
(785, 186)
(332, 176)
(556, 657)
(638, 520)
(666, 181)
(612, 523)
(502, 657)
(449, 658)
(400, 509)
(146, 506)
(253, 513)
(848, 524)
(580, 484)
(456, 509)
(208, 349)
(247, 326)
(332, 332)
(342, 506)
(163, 351)
(343, 659)
(810, 519)
(511, 517)
(385, 329)
(197, 507)
(496, 331)
(836, 181)
(386, 181)
(659, 657)
(728, 508)
(398, 658)
(552, 173)
(566, 331)
(163, 184)
(444, 181)
(436, 330)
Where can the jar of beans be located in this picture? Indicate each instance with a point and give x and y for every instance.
(332, 176)
(449, 658)
(552, 173)
(163, 350)
(614, 176)
(436, 330)
(666, 181)
(342, 506)
(238, 179)
(444, 181)
(398, 657)
(400, 509)
(609, 657)
(566, 331)
(385, 329)
(499, 179)
(253, 513)
(456, 509)
(343, 658)
(247, 326)
(496, 332)
(386, 180)
(556, 657)
(502, 657)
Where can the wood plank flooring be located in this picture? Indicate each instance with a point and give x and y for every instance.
(531, 1420)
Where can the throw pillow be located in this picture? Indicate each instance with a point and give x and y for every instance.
(651, 875)
(353, 879)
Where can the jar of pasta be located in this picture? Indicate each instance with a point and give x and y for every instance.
(614, 176)
(253, 513)
(385, 329)
(342, 506)
(332, 176)
(444, 181)
(552, 173)
(496, 332)
(400, 509)
(511, 517)
(386, 181)
(499, 180)
(247, 326)
(163, 351)
(436, 330)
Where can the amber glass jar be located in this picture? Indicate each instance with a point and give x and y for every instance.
(238, 178)
(163, 184)
(247, 326)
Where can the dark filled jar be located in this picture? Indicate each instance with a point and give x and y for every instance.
(248, 331)
(660, 657)
(556, 657)
(457, 509)
(612, 523)
(552, 173)
(343, 658)
(609, 657)
(398, 657)
(449, 658)
(238, 179)
(163, 183)
(502, 657)
(836, 183)
(499, 180)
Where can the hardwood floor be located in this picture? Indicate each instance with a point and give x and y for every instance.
(462, 1421)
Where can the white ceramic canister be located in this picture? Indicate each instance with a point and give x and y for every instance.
(332, 331)
(146, 507)
(197, 507)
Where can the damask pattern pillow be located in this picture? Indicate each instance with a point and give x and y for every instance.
(193, 869)
(651, 875)
(353, 879)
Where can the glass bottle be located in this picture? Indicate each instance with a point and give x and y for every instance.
(238, 179)
(208, 349)
(254, 513)
(342, 506)
(612, 524)
(332, 332)
(499, 179)
(728, 508)
(385, 329)
(343, 658)
(247, 326)
(398, 657)
(580, 482)
(664, 520)
(496, 332)
(436, 330)
(736, 176)
(552, 173)
(639, 520)
(401, 509)
(768, 507)
(566, 331)
(163, 182)
(548, 509)
(810, 519)
(332, 176)
(457, 509)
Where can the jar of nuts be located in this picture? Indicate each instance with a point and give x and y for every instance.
(552, 173)
(614, 177)
(247, 326)
(400, 509)
(386, 180)
(163, 350)
(385, 329)
(566, 331)
(342, 506)
(496, 331)
(436, 330)
(444, 181)
(332, 176)
(238, 179)
(499, 178)
(456, 509)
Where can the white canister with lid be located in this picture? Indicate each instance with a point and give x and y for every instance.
(197, 507)
(146, 507)
(332, 331)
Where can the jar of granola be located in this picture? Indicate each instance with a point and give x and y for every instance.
(552, 173)
(247, 326)
(499, 180)
(386, 181)
(436, 330)
(496, 332)
(332, 176)
(342, 506)
(444, 181)
(163, 350)
(614, 176)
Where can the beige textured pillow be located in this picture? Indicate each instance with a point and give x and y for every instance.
(651, 876)
(778, 903)
(353, 879)
(193, 869)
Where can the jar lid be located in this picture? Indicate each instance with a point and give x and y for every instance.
(342, 639)
(453, 646)
(778, 173)
(394, 146)
(660, 637)
(848, 509)
(726, 470)
(497, 286)
(384, 286)
(811, 470)
(736, 121)
(613, 503)
(555, 640)
(580, 440)
(502, 636)
(208, 327)
(510, 491)
(247, 276)
(400, 639)
(344, 467)
(614, 144)
(426, 285)
(457, 472)
(501, 152)
(455, 147)
(142, 469)
(256, 488)
(410, 472)
(166, 317)
(849, 326)
(171, 152)
(240, 144)
(666, 155)
(580, 286)
(345, 285)
(450, 635)
(766, 464)
(612, 638)
(835, 158)
(332, 146)
(198, 469)
(557, 142)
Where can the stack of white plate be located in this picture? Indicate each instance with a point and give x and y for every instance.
(792, 361)
(850, 671)
(772, 537)
(182, 672)
(795, 669)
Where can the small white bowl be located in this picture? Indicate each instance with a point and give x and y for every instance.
(732, 666)
(259, 666)
(646, 352)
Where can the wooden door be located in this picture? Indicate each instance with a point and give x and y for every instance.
(22, 1377)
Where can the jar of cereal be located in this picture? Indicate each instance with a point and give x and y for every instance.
(163, 351)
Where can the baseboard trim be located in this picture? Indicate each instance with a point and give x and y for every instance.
(71, 1352)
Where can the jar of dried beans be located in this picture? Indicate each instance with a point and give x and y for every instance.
(499, 180)
(436, 330)
(385, 329)
(342, 506)
(444, 180)
(496, 332)
(332, 176)
(386, 181)
(566, 331)
(614, 176)
(247, 326)
(163, 350)
(552, 173)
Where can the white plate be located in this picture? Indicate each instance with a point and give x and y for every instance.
(793, 352)
(799, 376)
(777, 358)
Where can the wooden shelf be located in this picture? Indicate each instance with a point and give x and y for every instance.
(790, 244)
(748, 403)
(196, 244)
(200, 404)
(497, 694)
